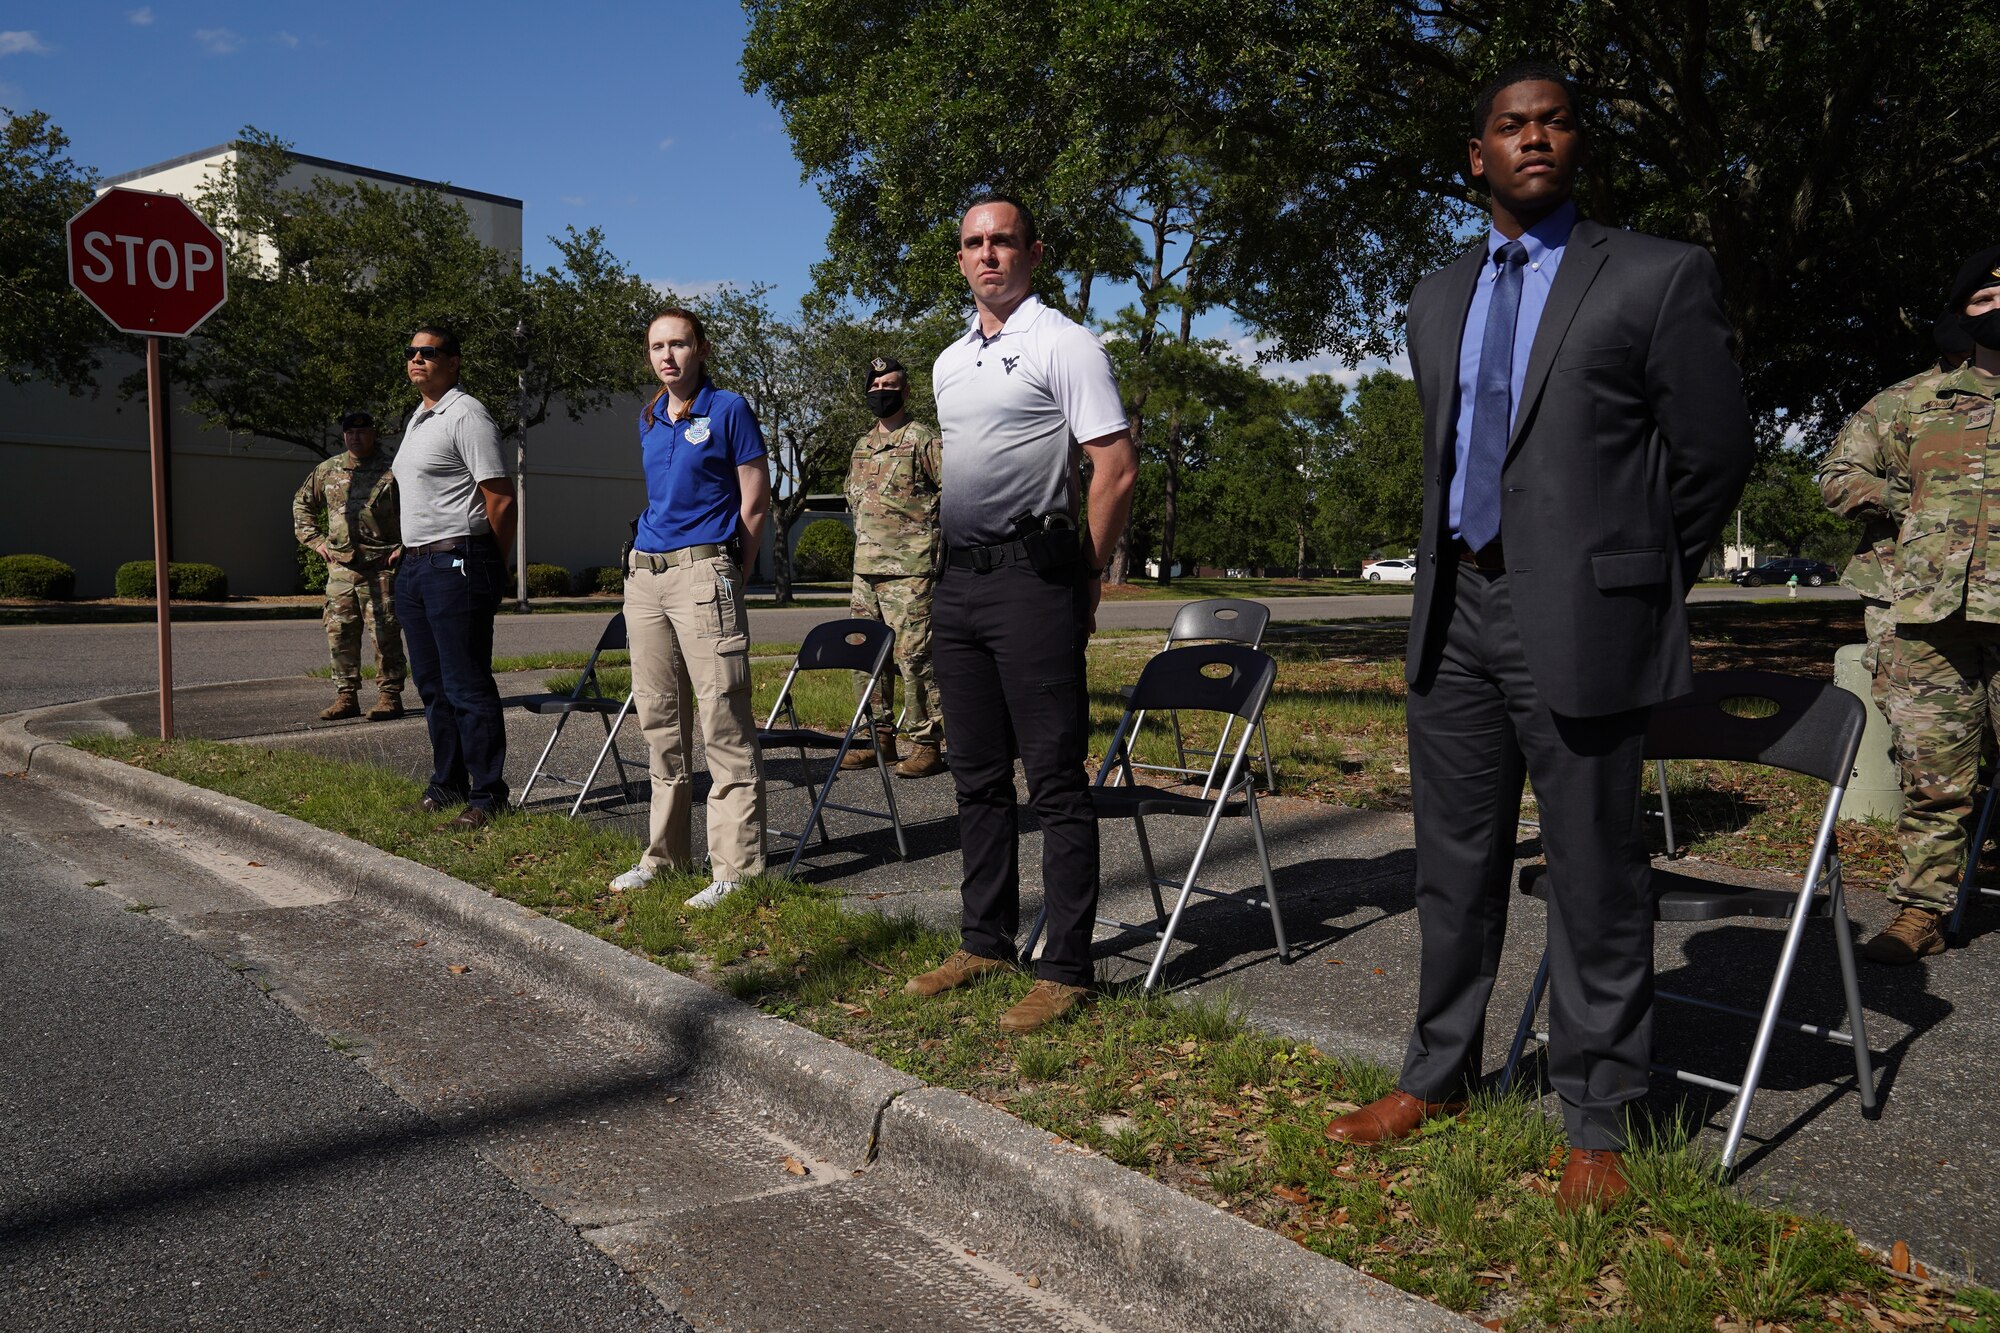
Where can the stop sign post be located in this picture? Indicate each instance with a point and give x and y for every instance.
(153, 268)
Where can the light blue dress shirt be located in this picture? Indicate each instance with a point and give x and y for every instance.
(1545, 241)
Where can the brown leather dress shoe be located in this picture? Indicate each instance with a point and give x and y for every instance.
(429, 805)
(1044, 1003)
(955, 971)
(1388, 1119)
(473, 816)
(1594, 1178)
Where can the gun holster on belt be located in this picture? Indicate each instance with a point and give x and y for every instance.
(1049, 541)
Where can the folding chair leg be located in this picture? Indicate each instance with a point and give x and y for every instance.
(1968, 888)
(819, 806)
(1035, 934)
(895, 819)
(1666, 807)
(611, 745)
(521, 801)
(1152, 876)
(1843, 946)
(1180, 903)
(1767, 1026)
(1270, 772)
(1180, 745)
(1264, 861)
(1526, 1028)
(1215, 764)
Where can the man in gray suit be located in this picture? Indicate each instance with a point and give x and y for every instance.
(1585, 435)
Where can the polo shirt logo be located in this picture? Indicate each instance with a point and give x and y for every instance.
(1007, 363)
(698, 432)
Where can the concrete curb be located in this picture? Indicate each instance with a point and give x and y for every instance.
(1131, 1239)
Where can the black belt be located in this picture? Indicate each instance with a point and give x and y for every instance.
(1491, 560)
(984, 559)
(452, 544)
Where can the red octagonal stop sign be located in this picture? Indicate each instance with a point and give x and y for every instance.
(147, 262)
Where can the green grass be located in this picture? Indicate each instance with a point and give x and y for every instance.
(1183, 1090)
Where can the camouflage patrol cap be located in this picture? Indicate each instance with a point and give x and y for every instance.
(881, 365)
(1979, 271)
(357, 421)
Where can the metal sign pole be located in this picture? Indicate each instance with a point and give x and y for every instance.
(156, 415)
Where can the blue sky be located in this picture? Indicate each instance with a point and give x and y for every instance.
(627, 117)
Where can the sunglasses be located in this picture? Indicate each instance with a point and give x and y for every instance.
(424, 354)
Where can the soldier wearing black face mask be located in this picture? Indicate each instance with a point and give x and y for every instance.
(892, 491)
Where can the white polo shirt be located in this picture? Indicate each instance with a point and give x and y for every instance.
(445, 452)
(1012, 409)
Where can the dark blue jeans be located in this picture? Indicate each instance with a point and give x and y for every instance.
(446, 601)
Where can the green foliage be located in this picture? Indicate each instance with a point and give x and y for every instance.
(47, 331)
(602, 579)
(1375, 476)
(826, 551)
(338, 275)
(38, 578)
(548, 581)
(186, 581)
(312, 570)
(1783, 508)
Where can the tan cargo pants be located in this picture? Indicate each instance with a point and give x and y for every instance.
(690, 643)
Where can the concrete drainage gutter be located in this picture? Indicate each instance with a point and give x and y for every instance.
(1017, 1190)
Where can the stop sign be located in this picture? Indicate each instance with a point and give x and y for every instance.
(147, 262)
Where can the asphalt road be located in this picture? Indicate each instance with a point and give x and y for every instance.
(50, 664)
(176, 1151)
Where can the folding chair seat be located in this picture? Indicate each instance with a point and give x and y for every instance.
(1226, 678)
(1815, 730)
(1216, 620)
(587, 697)
(845, 646)
(1969, 888)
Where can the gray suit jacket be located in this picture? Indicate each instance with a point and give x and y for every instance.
(1631, 445)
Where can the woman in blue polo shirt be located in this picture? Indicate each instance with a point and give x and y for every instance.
(706, 483)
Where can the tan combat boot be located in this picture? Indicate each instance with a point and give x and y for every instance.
(955, 971)
(921, 762)
(882, 752)
(1044, 1004)
(345, 704)
(1916, 932)
(387, 707)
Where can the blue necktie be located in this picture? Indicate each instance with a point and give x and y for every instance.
(1492, 404)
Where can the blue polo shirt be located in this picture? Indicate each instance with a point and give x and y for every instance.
(692, 494)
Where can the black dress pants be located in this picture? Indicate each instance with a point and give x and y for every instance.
(1477, 723)
(1008, 649)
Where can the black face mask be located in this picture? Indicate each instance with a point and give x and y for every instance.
(885, 403)
(1983, 329)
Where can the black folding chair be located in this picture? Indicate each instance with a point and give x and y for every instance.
(1816, 730)
(587, 697)
(863, 646)
(1969, 888)
(1216, 620)
(1224, 678)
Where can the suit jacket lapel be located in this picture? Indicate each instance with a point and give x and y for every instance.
(1582, 257)
(1446, 329)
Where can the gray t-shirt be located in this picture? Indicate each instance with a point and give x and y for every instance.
(1012, 409)
(446, 451)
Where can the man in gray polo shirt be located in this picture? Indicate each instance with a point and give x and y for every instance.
(458, 523)
(1022, 399)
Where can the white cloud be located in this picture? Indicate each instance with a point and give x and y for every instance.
(690, 291)
(219, 41)
(286, 39)
(666, 143)
(1248, 347)
(23, 43)
(11, 93)
(141, 17)
(573, 200)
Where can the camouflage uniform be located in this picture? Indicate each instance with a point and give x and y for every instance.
(892, 490)
(1942, 664)
(362, 530)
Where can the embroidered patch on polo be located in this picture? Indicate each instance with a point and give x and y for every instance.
(698, 431)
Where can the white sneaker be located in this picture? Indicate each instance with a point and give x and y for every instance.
(714, 893)
(638, 877)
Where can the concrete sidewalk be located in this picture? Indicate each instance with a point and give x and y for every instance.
(1928, 1171)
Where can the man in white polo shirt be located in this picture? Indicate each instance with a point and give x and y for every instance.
(458, 522)
(1022, 399)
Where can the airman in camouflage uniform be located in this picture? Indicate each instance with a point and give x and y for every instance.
(1938, 673)
(892, 491)
(347, 510)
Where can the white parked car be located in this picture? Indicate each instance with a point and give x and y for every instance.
(1391, 571)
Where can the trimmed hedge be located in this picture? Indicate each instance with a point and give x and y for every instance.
(601, 579)
(186, 582)
(312, 570)
(548, 581)
(38, 577)
(825, 551)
